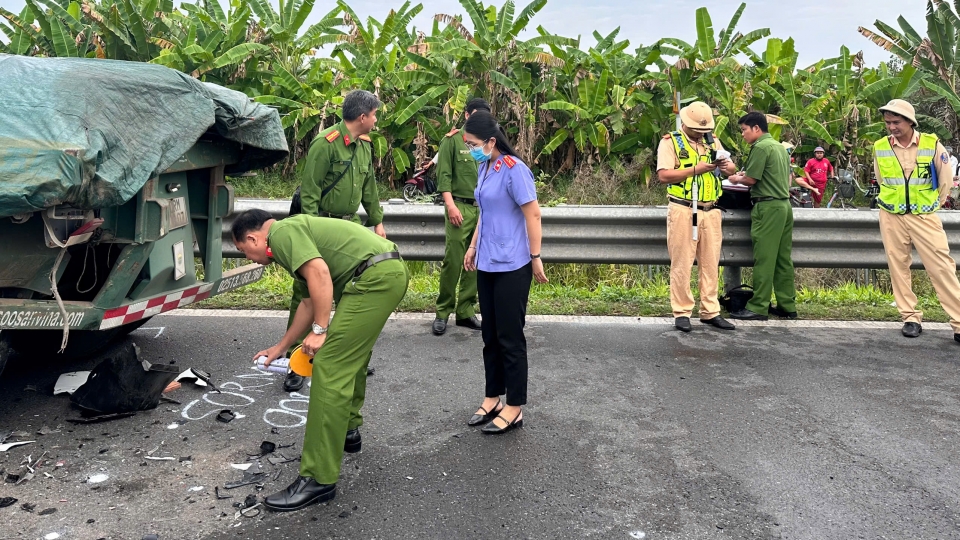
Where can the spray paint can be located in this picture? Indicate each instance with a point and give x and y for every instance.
(280, 365)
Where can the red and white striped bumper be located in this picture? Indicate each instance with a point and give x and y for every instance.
(113, 318)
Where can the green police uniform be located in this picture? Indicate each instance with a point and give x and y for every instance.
(457, 175)
(331, 154)
(771, 227)
(364, 304)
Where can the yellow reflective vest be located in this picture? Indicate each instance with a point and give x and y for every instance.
(914, 195)
(708, 185)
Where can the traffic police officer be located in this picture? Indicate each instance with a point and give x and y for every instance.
(331, 260)
(687, 163)
(915, 178)
(456, 180)
(338, 176)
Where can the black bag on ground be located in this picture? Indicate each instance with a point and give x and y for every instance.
(123, 383)
(736, 298)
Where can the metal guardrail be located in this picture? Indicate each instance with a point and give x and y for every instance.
(822, 238)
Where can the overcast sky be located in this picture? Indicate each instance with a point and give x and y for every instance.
(819, 27)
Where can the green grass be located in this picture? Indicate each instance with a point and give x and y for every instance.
(627, 290)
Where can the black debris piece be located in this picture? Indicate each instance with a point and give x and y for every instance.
(205, 377)
(250, 501)
(101, 418)
(273, 431)
(7, 501)
(47, 511)
(344, 514)
(27, 507)
(91, 520)
(216, 491)
(226, 416)
(122, 383)
(267, 447)
(13, 478)
(246, 480)
(186, 458)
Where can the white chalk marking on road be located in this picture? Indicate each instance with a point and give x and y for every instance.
(578, 319)
(97, 478)
(159, 330)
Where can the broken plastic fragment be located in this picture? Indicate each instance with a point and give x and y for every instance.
(226, 416)
(69, 382)
(97, 478)
(7, 446)
(241, 466)
(189, 375)
(7, 501)
(246, 480)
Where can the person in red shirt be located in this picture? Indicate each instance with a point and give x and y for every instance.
(817, 170)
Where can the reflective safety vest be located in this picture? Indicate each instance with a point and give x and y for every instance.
(914, 195)
(708, 185)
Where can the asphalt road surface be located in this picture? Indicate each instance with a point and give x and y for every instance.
(633, 430)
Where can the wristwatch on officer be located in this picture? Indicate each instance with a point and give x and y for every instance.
(319, 330)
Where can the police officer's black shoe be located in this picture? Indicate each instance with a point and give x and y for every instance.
(472, 323)
(682, 324)
(439, 326)
(300, 494)
(351, 444)
(293, 382)
(777, 311)
(747, 315)
(956, 337)
(719, 322)
(911, 329)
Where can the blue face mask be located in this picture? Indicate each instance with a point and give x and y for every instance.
(477, 154)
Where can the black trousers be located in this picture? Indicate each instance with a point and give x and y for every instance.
(503, 306)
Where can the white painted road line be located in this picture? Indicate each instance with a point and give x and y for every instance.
(579, 319)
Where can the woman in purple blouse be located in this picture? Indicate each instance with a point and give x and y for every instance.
(505, 251)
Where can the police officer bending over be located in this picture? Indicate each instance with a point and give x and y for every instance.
(331, 260)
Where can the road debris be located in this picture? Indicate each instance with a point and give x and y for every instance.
(8, 446)
(241, 466)
(97, 479)
(7, 501)
(123, 382)
(100, 418)
(226, 416)
(216, 491)
(247, 479)
(47, 511)
(69, 382)
(163, 458)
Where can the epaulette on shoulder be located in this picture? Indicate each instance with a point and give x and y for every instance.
(509, 161)
(666, 136)
(332, 136)
(365, 138)
(453, 132)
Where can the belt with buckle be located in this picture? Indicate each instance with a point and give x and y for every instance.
(755, 200)
(375, 260)
(689, 204)
(465, 200)
(347, 217)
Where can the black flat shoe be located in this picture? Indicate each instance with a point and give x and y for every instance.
(293, 382)
(300, 494)
(747, 315)
(351, 444)
(911, 329)
(682, 324)
(719, 322)
(480, 419)
(493, 429)
(439, 326)
(782, 313)
(472, 323)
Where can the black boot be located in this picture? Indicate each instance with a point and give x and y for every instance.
(351, 444)
(293, 382)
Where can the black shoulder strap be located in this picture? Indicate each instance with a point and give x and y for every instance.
(349, 166)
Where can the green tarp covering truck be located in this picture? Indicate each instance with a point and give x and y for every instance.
(112, 174)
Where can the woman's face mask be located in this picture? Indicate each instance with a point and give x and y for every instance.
(478, 154)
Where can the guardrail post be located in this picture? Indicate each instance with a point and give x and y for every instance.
(732, 277)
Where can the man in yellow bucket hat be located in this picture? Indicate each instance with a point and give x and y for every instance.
(687, 161)
(331, 260)
(915, 177)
